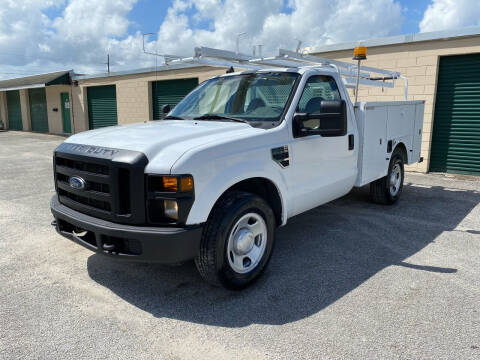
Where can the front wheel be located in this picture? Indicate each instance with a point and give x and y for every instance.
(237, 241)
(387, 190)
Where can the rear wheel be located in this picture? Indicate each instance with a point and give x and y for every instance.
(387, 190)
(237, 241)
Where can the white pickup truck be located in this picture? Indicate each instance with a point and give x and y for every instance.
(233, 161)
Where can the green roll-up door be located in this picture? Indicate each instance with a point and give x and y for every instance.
(170, 92)
(14, 110)
(102, 106)
(456, 127)
(38, 109)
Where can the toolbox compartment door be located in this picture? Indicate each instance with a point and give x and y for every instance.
(417, 133)
(372, 121)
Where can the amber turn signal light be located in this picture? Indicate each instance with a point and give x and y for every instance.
(186, 183)
(170, 183)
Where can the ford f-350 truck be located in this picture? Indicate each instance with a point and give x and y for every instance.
(232, 162)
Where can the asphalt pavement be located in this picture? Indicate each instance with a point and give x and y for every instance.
(348, 280)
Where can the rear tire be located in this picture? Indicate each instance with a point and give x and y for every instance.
(387, 190)
(237, 241)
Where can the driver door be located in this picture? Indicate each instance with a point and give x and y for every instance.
(322, 168)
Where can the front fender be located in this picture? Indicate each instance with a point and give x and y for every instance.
(212, 181)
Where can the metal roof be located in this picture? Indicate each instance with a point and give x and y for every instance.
(400, 39)
(137, 71)
(37, 81)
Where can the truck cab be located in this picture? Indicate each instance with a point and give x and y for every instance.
(232, 162)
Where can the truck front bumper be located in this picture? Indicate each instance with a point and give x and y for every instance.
(134, 243)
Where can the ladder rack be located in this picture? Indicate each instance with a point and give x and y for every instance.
(367, 75)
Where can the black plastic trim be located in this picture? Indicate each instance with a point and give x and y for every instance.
(351, 142)
(389, 146)
(88, 193)
(127, 242)
(290, 99)
(281, 156)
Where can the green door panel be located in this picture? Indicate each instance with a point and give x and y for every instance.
(38, 109)
(102, 106)
(65, 101)
(14, 110)
(170, 92)
(456, 127)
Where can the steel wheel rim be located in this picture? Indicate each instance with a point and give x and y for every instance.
(395, 179)
(247, 243)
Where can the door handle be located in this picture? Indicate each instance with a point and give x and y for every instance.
(351, 142)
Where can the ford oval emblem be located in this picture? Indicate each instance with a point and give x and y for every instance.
(77, 183)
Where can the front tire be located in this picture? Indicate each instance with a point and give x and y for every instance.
(387, 190)
(237, 241)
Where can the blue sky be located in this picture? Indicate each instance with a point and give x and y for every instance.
(148, 14)
(413, 11)
(48, 35)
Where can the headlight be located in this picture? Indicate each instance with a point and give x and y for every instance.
(169, 198)
(171, 209)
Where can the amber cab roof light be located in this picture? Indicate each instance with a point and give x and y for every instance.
(360, 53)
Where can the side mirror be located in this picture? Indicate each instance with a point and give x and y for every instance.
(331, 120)
(165, 110)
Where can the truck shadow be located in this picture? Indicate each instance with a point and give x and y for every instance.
(320, 256)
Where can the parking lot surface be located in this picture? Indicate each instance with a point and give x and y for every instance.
(348, 280)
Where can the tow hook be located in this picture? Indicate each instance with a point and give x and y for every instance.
(108, 247)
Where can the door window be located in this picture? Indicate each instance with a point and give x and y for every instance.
(317, 89)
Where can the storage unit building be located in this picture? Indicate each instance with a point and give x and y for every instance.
(34, 102)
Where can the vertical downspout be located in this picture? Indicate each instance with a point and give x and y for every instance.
(406, 86)
(72, 111)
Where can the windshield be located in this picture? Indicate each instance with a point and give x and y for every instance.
(256, 98)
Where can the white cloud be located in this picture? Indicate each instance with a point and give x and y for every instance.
(22, 24)
(86, 30)
(450, 14)
(80, 38)
(312, 21)
(89, 29)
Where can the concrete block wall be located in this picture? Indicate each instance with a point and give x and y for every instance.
(419, 62)
(25, 108)
(3, 109)
(134, 103)
(79, 109)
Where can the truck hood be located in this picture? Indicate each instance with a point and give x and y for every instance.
(163, 141)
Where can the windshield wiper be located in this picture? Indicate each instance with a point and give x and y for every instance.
(219, 117)
(171, 117)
